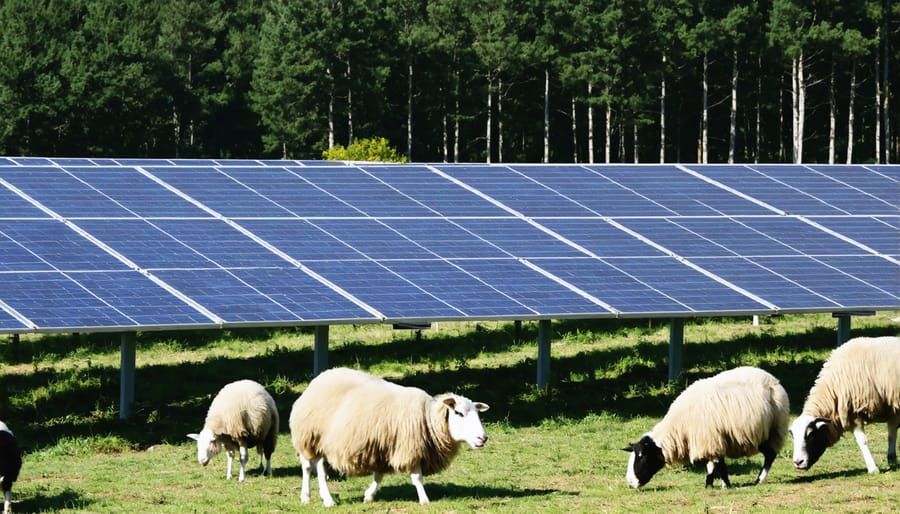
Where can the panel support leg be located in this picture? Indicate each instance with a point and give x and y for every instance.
(676, 344)
(127, 371)
(843, 329)
(543, 362)
(320, 350)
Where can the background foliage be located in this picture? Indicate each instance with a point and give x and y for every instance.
(455, 80)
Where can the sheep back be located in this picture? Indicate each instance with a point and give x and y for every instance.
(727, 415)
(244, 414)
(364, 424)
(858, 383)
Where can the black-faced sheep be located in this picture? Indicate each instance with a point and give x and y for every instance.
(242, 415)
(736, 413)
(360, 424)
(10, 464)
(857, 385)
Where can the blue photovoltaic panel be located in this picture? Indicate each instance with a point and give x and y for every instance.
(519, 238)
(217, 191)
(446, 239)
(882, 191)
(537, 292)
(136, 192)
(394, 296)
(373, 239)
(829, 190)
(882, 234)
(600, 237)
(54, 244)
(52, 300)
(303, 242)
(14, 206)
(445, 280)
(369, 195)
(437, 192)
(678, 191)
(301, 294)
(295, 195)
(227, 296)
(515, 190)
(62, 193)
(141, 300)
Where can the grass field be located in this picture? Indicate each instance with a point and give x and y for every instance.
(550, 451)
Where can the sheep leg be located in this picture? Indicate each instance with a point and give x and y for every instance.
(713, 468)
(892, 440)
(373, 487)
(268, 469)
(768, 458)
(244, 456)
(230, 455)
(862, 441)
(305, 466)
(416, 477)
(7, 502)
(321, 475)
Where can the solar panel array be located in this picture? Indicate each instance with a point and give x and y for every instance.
(127, 244)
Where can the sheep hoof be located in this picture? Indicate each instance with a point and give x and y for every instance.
(874, 471)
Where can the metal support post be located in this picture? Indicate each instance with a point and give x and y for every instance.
(127, 372)
(676, 344)
(320, 350)
(543, 362)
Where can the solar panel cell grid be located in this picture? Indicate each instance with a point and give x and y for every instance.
(246, 242)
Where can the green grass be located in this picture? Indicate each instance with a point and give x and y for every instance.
(550, 451)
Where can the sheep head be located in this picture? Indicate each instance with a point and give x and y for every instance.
(811, 436)
(645, 460)
(463, 420)
(207, 445)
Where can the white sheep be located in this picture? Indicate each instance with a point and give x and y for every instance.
(360, 424)
(10, 464)
(858, 384)
(242, 415)
(736, 413)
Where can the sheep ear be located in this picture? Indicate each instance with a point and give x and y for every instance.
(450, 402)
(194, 436)
(481, 407)
(629, 448)
(820, 422)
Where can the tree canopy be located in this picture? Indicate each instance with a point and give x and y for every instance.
(451, 80)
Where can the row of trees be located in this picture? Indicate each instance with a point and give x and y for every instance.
(454, 80)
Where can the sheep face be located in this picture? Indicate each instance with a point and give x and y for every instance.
(645, 460)
(811, 437)
(463, 420)
(207, 446)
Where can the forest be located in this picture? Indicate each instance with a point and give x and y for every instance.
(705, 81)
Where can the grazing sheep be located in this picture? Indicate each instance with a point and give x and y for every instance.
(857, 385)
(10, 464)
(736, 413)
(242, 415)
(361, 424)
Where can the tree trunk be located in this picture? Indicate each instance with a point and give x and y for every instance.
(878, 101)
(704, 117)
(409, 113)
(621, 155)
(608, 149)
(886, 77)
(500, 120)
(330, 111)
(732, 129)
(758, 106)
(799, 100)
(574, 132)
(850, 113)
(487, 131)
(546, 115)
(637, 157)
(590, 123)
(832, 115)
(456, 121)
(662, 113)
(349, 107)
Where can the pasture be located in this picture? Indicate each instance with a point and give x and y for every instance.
(554, 450)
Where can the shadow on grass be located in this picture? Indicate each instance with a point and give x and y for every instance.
(437, 491)
(66, 499)
(171, 400)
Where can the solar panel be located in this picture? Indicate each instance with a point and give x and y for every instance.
(104, 244)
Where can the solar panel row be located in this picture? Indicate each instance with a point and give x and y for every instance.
(103, 244)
